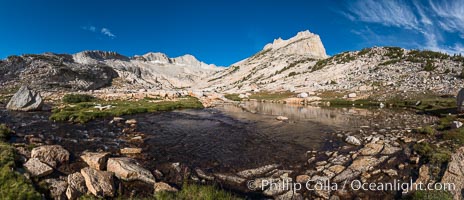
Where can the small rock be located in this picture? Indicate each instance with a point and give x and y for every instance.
(456, 124)
(290, 195)
(57, 188)
(164, 187)
(251, 173)
(302, 178)
(128, 150)
(390, 172)
(230, 179)
(282, 118)
(351, 95)
(95, 160)
(127, 169)
(371, 149)
(353, 140)
(76, 186)
(99, 183)
(118, 119)
(203, 175)
(303, 95)
(131, 121)
(37, 168)
(336, 168)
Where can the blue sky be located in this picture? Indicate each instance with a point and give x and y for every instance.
(223, 32)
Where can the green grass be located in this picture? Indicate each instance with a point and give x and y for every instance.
(86, 111)
(455, 135)
(233, 97)
(77, 98)
(431, 195)
(359, 102)
(431, 154)
(196, 192)
(427, 130)
(13, 185)
(272, 95)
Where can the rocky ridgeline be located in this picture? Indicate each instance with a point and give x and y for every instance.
(378, 70)
(298, 64)
(91, 70)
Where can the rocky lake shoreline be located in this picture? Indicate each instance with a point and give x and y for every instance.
(237, 147)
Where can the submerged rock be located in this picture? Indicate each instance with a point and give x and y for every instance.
(99, 183)
(37, 168)
(25, 99)
(282, 118)
(253, 173)
(371, 149)
(360, 165)
(52, 155)
(127, 169)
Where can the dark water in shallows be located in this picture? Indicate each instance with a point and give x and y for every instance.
(221, 139)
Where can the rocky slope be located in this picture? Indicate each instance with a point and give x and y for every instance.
(90, 70)
(298, 64)
(288, 65)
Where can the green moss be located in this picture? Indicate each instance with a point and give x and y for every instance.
(5, 132)
(271, 95)
(432, 155)
(84, 112)
(431, 195)
(196, 192)
(13, 185)
(77, 98)
(359, 102)
(455, 135)
(445, 122)
(427, 130)
(233, 97)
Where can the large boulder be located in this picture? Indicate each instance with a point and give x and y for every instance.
(454, 174)
(99, 183)
(25, 100)
(460, 100)
(128, 169)
(52, 155)
(303, 95)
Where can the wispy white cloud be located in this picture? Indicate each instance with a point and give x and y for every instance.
(429, 19)
(89, 28)
(388, 13)
(107, 32)
(450, 15)
(104, 31)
